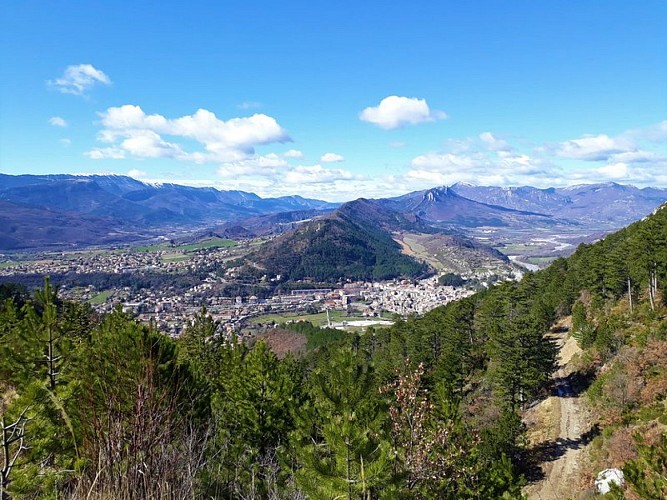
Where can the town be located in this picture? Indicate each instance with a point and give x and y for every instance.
(172, 308)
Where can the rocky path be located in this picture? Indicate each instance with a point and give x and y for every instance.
(570, 432)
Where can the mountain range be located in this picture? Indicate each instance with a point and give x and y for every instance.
(443, 206)
(41, 211)
(57, 210)
(608, 205)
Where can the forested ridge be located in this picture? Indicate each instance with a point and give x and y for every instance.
(354, 242)
(103, 407)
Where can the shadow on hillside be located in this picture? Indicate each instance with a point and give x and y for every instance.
(548, 451)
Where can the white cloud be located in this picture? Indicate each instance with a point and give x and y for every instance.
(250, 105)
(77, 79)
(131, 130)
(293, 153)
(341, 189)
(148, 144)
(653, 133)
(397, 144)
(331, 158)
(614, 170)
(489, 160)
(493, 143)
(316, 174)
(594, 148)
(639, 174)
(136, 173)
(105, 154)
(637, 157)
(438, 161)
(395, 111)
(65, 142)
(483, 159)
(258, 165)
(57, 121)
(480, 168)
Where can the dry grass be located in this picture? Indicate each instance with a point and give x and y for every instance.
(543, 421)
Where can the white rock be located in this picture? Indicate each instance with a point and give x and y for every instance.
(606, 478)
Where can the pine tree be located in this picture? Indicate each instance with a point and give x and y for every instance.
(341, 441)
(135, 404)
(522, 359)
(646, 473)
(252, 409)
(36, 349)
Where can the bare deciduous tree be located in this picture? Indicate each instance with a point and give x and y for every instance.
(13, 445)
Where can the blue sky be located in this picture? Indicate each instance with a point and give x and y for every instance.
(337, 100)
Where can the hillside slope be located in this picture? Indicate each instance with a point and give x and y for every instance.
(611, 396)
(354, 242)
(24, 227)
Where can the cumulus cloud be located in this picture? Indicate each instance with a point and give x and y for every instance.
(57, 121)
(594, 148)
(330, 187)
(637, 157)
(486, 159)
(500, 166)
(483, 159)
(490, 160)
(331, 158)
(395, 112)
(148, 144)
(136, 133)
(257, 165)
(78, 79)
(293, 153)
(316, 174)
(614, 170)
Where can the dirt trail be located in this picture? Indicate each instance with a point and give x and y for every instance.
(569, 434)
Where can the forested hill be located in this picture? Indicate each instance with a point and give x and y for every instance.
(429, 408)
(353, 242)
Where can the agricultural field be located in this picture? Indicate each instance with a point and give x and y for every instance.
(317, 319)
(101, 297)
(190, 247)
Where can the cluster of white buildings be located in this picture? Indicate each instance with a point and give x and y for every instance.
(172, 311)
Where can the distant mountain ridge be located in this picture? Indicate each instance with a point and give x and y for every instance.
(444, 206)
(115, 203)
(131, 200)
(614, 205)
(118, 209)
